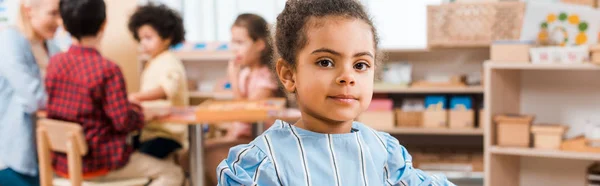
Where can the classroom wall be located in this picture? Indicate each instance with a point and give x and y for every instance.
(118, 44)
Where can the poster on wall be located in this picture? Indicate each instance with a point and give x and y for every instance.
(560, 24)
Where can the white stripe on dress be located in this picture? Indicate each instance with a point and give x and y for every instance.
(239, 157)
(302, 154)
(362, 159)
(266, 137)
(333, 161)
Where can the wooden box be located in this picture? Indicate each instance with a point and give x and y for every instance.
(481, 118)
(435, 119)
(591, 3)
(513, 130)
(595, 50)
(462, 119)
(548, 136)
(243, 111)
(510, 52)
(408, 118)
(379, 120)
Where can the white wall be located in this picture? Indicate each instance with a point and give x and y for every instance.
(401, 24)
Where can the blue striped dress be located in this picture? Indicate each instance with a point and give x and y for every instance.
(288, 155)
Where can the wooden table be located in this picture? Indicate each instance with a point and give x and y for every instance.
(196, 133)
(187, 116)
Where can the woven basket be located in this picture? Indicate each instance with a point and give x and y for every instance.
(474, 24)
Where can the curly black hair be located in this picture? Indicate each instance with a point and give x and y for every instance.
(258, 29)
(167, 22)
(290, 35)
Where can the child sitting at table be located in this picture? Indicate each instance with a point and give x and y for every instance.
(86, 88)
(164, 81)
(249, 71)
(328, 58)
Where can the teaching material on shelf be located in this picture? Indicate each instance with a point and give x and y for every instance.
(530, 152)
(592, 132)
(513, 130)
(397, 73)
(567, 54)
(435, 114)
(473, 24)
(578, 144)
(461, 114)
(530, 66)
(548, 136)
(430, 84)
(591, 3)
(593, 174)
(560, 24)
(379, 120)
(390, 88)
(435, 131)
(408, 118)
(381, 105)
(513, 51)
(204, 56)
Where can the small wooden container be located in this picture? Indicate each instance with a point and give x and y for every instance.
(510, 52)
(591, 3)
(435, 119)
(595, 50)
(513, 130)
(462, 119)
(548, 136)
(408, 118)
(379, 120)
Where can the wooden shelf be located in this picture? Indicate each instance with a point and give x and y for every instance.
(427, 90)
(530, 66)
(436, 131)
(530, 152)
(458, 174)
(211, 95)
(204, 56)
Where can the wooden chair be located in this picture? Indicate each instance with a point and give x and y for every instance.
(67, 137)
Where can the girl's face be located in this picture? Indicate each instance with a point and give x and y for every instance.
(335, 70)
(246, 50)
(150, 42)
(44, 18)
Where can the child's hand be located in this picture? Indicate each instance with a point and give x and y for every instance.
(233, 68)
(133, 98)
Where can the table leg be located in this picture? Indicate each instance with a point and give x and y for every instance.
(196, 156)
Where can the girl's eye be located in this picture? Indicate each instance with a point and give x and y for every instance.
(362, 66)
(327, 63)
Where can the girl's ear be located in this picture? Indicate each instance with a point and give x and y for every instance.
(286, 75)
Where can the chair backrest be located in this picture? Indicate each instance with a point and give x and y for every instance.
(60, 136)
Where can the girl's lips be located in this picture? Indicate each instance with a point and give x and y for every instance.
(347, 99)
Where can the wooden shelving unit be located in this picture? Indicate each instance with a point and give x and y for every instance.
(428, 90)
(204, 56)
(436, 131)
(554, 93)
(512, 151)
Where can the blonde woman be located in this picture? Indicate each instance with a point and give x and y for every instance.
(24, 52)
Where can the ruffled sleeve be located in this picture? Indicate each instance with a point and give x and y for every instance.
(401, 171)
(246, 165)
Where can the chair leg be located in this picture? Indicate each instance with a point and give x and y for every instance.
(74, 161)
(43, 150)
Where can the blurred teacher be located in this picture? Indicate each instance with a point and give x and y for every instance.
(24, 53)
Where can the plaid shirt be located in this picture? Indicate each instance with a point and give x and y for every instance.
(86, 88)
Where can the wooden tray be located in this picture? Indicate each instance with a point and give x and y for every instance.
(578, 144)
(243, 111)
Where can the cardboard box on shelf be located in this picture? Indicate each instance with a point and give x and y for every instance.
(462, 119)
(548, 136)
(408, 118)
(510, 52)
(379, 120)
(513, 130)
(435, 119)
(481, 118)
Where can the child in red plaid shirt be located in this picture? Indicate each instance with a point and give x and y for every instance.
(86, 88)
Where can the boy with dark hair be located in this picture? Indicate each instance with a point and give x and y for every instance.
(86, 88)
